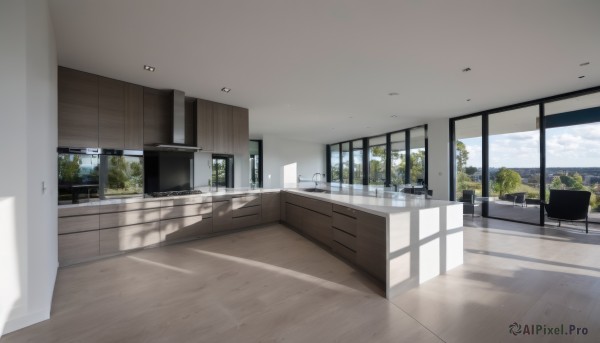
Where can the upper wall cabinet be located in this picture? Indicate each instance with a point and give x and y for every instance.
(77, 108)
(223, 121)
(241, 139)
(204, 121)
(157, 114)
(96, 111)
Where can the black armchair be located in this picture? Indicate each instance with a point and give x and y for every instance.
(517, 198)
(468, 200)
(568, 205)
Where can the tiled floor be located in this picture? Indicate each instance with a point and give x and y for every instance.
(271, 284)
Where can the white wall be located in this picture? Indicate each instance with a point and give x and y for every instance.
(28, 129)
(438, 148)
(280, 152)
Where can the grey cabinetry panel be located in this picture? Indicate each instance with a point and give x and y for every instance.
(371, 244)
(109, 220)
(222, 130)
(186, 211)
(318, 226)
(129, 237)
(270, 207)
(78, 224)
(134, 117)
(111, 113)
(184, 228)
(344, 223)
(241, 138)
(78, 247)
(222, 215)
(77, 108)
(245, 201)
(294, 215)
(205, 123)
(157, 116)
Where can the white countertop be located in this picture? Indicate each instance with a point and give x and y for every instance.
(381, 206)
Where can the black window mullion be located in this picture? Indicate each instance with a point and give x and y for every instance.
(542, 121)
(485, 177)
(407, 163)
(341, 167)
(388, 160)
(426, 171)
(351, 164)
(328, 162)
(365, 161)
(452, 173)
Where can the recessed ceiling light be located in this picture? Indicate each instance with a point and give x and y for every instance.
(149, 68)
(581, 77)
(225, 89)
(467, 69)
(393, 94)
(584, 64)
(394, 116)
(468, 99)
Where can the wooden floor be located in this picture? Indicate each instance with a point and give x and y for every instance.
(271, 284)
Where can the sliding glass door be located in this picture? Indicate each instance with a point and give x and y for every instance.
(468, 156)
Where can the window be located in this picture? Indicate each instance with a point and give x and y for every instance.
(357, 162)
(256, 163)
(222, 171)
(417, 155)
(377, 158)
(335, 163)
(398, 158)
(468, 155)
(346, 163)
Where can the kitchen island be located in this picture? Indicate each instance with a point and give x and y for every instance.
(402, 241)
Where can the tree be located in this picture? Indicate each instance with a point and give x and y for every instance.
(470, 170)
(556, 183)
(462, 156)
(68, 170)
(507, 180)
(417, 166)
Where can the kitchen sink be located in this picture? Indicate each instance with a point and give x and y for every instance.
(317, 190)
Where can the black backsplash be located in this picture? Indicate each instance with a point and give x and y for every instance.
(167, 171)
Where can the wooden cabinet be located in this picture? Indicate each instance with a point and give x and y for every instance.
(129, 237)
(134, 117)
(240, 128)
(204, 209)
(77, 108)
(204, 125)
(317, 226)
(157, 116)
(180, 229)
(111, 109)
(110, 220)
(371, 247)
(222, 128)
(294, 216)
(78, 223)
(78, 247)
(270, 211)
(222, 216)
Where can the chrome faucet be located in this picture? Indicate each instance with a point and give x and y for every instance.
(316, 179)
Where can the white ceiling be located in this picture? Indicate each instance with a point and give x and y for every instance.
(321, 70)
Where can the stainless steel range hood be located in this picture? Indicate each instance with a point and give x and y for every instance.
(178, 117)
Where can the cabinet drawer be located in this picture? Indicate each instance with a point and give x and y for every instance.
(247, 221)
(271, 206)
(186, 201)
(129, 237)
(182, 228)
(246, 211)
(108, 220)
(344, 239)
(343, 251)
(142, 205)
(320, 206)
(77, 211)
(245, 201)
(186, 211)
(350, 212)
(344, 223)
(77, 247)
(78, 224)
(318, 226)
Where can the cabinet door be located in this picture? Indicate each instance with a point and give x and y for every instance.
(204, 121)
(222, 128)
(134, 117)
(222, 216)
(371, 244)
(270, 207)
(111, 109)
(241, 138)
(294, 215)
(129, 237)
(317, 226)
(184, 228)
(157, 116)
(78, 247)
(77, 108)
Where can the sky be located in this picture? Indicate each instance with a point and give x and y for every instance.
(570, 146)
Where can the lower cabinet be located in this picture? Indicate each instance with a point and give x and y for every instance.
(270, 207)
(173, 230)
(371, 247)
(78, 247)
(317, 226)
(294, 215)
(222, 219)
(129, 237)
